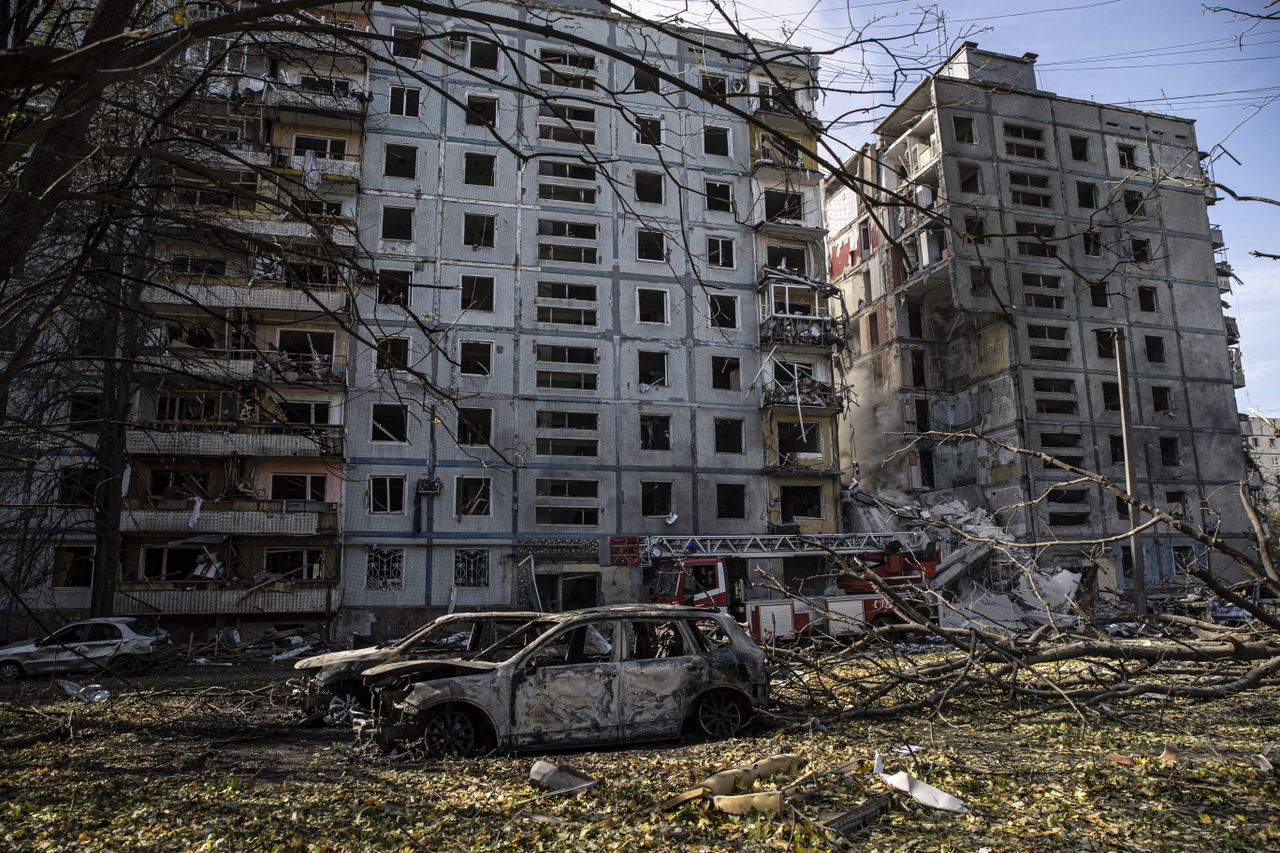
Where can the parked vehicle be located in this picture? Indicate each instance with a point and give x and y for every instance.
(600, 675)
(121, 644)
(334, 678)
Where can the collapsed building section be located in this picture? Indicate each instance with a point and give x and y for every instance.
(994, 249)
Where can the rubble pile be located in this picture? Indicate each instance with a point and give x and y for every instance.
(228, 647)
(981, 580)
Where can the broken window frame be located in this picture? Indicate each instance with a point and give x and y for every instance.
(789, 517)
(645, 313)
(391, 353)
(651, 375)
(717, 201)
(650, 243)
(722, 429)
(722, 311)
(479, 230)
(731, 501)
(470, 362)
(394, 286)
(475, 427)
(404, 101)
(489, 176)
(399, 225)
(477, 293)
(472, 497)
(386, 494)
(712, 135)
(655, 432)
(656, 498)
(481, 111)
(650, 181)
(389, 423)
(726, 373)
(721, 253)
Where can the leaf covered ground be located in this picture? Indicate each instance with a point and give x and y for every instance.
(177, 767)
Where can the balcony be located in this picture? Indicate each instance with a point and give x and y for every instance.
(782, 111)
(171, 439)
(221, 365)
(1237, 367)
(1215, 237)
(918, 156)
(245, 517)
(804, 393)
(262, 295)
(293, 96)
(1225, 275)
(1233, 330)
(768, 155)
(798, 331)
(339, 230)
(207, 598)
(344, 168)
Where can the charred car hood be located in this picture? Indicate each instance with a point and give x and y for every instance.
(354, 656)
(428, 669)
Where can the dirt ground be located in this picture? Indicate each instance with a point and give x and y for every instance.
(210, 759)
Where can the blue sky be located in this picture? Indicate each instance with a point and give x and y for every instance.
(1167, 56)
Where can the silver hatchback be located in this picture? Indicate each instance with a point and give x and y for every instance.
(121, 644)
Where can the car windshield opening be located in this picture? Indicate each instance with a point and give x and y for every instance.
(504, 649)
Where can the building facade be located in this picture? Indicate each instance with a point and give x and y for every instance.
(592, 315)
(1003, 245)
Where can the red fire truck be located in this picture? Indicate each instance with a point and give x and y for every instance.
(716, 572)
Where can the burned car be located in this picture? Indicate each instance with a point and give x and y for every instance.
(607, 674)
(121, 644)
(334, 678)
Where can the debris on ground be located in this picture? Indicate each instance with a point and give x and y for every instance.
(725, 782)
(560, 778)
(230, 646)
(87, 693)
(859, 817)
(922, 792)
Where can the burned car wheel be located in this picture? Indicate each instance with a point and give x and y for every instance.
(452, 732)
(10, 671)
(344, 707)
(719, 715)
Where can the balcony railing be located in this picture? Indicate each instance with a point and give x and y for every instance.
(240, 517)
(340, 165)
(341, 230)
(295, 96)
(917, 157)
(804, 392)
(789, 330)
(264, 294)
(176, 438)
(211, 597)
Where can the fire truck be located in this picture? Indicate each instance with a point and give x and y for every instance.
(717, 572)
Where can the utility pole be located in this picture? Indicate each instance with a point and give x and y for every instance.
(1126, 434)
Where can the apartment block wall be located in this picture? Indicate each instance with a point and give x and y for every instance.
(438, 325)
(1017, 356)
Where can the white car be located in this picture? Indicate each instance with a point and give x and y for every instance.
(122, 644)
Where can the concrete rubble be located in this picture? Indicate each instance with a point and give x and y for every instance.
(980, 581)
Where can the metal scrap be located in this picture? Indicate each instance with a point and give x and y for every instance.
(922, 792)
(722, 785)
(560, 778)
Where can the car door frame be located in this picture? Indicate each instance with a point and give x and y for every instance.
(574, 728)
(99, 652)
(659, 691)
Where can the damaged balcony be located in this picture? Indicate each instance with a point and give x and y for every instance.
(330, 166)
(802, 392)
(233, 439)
(339, 97)
(794, 310)
(1237, 366)
(263, 294)
(340, 230)
(239, 517)
(210, 598)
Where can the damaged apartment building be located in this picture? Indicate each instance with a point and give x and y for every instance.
(632, 322)
(1005, 245)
